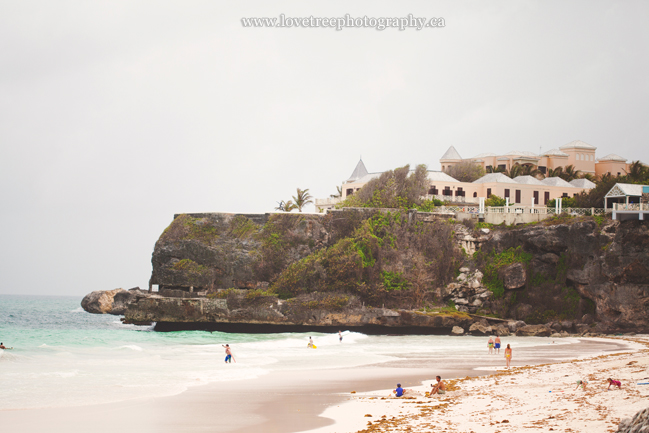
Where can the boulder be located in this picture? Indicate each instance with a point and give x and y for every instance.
(582, 328)
(556, 326)
(566, 325)
(500, 330)
(522, 311)
(464, 270)
(515, 325)
(534, 331)
(514, 276)
(480, 329)
(588, 319)
(457, 330)
(102, 301)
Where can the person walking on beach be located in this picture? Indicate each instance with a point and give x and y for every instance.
(438, 388)
(497, 341)
(490, 344)
(508, 355)
(614, 383)
(228, 354)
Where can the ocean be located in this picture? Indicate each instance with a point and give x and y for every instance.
(63, 356)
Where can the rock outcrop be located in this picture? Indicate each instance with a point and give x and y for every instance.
(110, 301)
(639, 423)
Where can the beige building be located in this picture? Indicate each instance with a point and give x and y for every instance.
(521, 190)
(577, 153)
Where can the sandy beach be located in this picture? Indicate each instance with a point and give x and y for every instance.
(338, 400)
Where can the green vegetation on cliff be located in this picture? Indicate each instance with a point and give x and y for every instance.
(185, 227)
(385, 261)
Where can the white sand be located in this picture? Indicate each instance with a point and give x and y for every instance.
(531, 397)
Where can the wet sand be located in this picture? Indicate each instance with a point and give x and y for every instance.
(278, 402)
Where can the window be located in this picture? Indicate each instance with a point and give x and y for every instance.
(475, 194)
(546, 197)
(536, 197)
(459, 192)
(565, 194)
(518, 196)
(350, 191)
(506, 193)
(447, 191)
(502, 167)
(488, 192)
(543, 169)
(488, 168)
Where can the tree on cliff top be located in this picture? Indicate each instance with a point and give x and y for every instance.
(399, 188)
(466, 171)
(302, 199)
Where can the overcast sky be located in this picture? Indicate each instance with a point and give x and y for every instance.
(116, 115)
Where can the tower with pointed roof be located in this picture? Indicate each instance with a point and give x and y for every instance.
(358, 172)
(450, 158)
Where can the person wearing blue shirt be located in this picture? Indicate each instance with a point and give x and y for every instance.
(399, 391)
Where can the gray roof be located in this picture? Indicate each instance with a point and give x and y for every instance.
(528, 180)
(578, 144)
(582, 183)
(521, 153)
(612, 157)
(451, 153)
(556, 181)
(624, 189)
(485, 155)
(554, 152)
(359, 172)
(494, 177)
(440, 176)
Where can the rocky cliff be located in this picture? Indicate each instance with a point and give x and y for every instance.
(397, 270)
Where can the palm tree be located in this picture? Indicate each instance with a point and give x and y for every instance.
(289, 206)
(280, 206)
(303, 198)
(339, 192)
(638, 172)
(570, 173)
(588, 176)
(555, 172)
(514, 171)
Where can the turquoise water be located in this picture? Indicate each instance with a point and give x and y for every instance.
(63, 356)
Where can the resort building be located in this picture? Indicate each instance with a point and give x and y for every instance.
(577, 153)
(525, 190)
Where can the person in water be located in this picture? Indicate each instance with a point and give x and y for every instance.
(340, 335)
(438, 388)
(2, 346)
(490, 344)
(508, 355)
(497, 346)
(310, 345)
(614, 383)
(228, 354)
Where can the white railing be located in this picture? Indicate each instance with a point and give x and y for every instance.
(631, 206)
(515, 209)
(452, 198)
(327, 201)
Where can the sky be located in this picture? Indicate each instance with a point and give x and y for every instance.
(115, 115)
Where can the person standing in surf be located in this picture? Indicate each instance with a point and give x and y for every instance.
(310, 345)
(490, 344)
(497, 341)
(508, 355)
(228, 354)
(340, 336)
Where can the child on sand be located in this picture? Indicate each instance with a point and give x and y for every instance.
(399, 392)
(614, 382)
(581, 383)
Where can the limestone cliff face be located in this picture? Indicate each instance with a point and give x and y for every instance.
(607, 266)
(344, 268)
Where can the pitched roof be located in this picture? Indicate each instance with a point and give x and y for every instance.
(624, 189)
(494, 177)
(556, 181)
(554, 152)
(485, 155)
(451, 153)
(359, 172)
(578, 144)
(521, 153)
(582, 183)
(528, 180)
(440, 176)
(612, 157)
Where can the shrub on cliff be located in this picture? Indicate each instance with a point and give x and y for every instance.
(185, 227)
(394, 189)
(386, 260)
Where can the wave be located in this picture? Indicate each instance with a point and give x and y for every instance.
(78, 310)
(131, 346)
